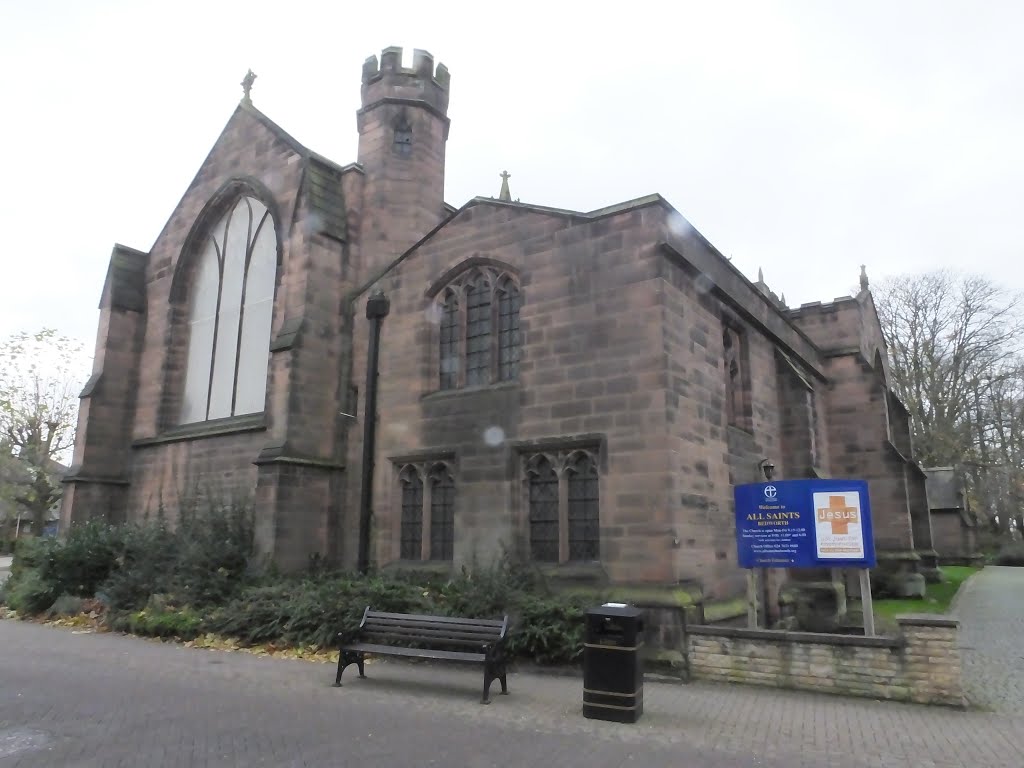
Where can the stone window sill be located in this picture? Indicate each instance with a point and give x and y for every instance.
(444, 393)
(578, 572)
(251, 422)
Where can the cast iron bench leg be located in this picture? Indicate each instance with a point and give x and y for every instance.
(493, 670)
(487, 687)
(346, 658)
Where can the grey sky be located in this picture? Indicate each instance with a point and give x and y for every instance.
(803, 137)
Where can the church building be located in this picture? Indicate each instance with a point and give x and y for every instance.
(389, 379)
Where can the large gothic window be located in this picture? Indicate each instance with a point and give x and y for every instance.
(426, 524)
(479, 330)
(232, 297)
(564, 506)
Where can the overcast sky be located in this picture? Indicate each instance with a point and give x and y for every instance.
(806, 138)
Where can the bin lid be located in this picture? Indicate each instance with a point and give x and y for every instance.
(615, 609)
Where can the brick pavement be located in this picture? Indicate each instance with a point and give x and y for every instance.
(71, 699)
(991, 612)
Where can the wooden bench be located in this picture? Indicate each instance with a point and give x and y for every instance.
(445, 638)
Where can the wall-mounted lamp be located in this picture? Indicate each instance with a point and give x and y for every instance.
(768, 468)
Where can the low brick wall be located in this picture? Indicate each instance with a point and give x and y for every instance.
(920, 664)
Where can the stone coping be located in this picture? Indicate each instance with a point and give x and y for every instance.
(927, 620)
(95, 479)
(783, 636)
(214, 428)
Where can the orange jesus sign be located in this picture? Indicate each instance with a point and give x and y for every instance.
(839, 514)
(839, 528)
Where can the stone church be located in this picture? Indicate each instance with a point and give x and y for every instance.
(389, 379)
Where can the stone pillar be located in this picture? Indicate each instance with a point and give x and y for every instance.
(96, 485)
(932, 664)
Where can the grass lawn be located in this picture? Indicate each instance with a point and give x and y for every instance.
(936, 600)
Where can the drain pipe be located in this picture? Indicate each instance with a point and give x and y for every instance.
(377, 308)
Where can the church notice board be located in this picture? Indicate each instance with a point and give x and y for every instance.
(804, 524)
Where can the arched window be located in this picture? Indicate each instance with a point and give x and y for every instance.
(543, 499)
(562, 494)
(450, 341)
(584, 517)
(480, 345)
(508, 331)
(478, 334)
(232, 297)
(442, 514)
(411, 543)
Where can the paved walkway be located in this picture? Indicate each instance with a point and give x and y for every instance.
(991, 612)
(70, 699)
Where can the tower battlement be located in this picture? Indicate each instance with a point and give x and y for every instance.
(389, 80)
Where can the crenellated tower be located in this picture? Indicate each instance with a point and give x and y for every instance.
(403, 128)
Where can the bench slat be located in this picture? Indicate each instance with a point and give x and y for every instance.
(421, 640)
(388, 650)
(454, 626)
(430, 632)
(440, 619)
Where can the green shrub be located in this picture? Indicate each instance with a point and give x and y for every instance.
(32, 553)
(312, 611)
(550, 630)
(75, 566)
(178, 582)
(145, 566)
(215, 544)
(181, 623)
(203, 561)
(1011, 553)
(486, 593)
(29, 593)
(80, 563)
(547, 629)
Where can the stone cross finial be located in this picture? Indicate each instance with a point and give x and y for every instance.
(863, 278)
(505, 194)
(247, 81)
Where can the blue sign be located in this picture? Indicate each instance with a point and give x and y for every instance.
(804, 524)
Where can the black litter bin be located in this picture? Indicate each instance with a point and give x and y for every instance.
(613, 681)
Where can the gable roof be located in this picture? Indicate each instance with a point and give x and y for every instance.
(575, 217)
(321, 178)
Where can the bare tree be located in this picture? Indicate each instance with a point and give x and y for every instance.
(39, 387)
(950, 339)
(955, 347)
